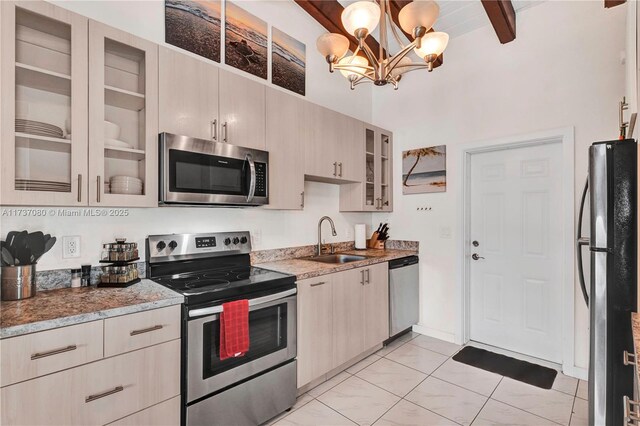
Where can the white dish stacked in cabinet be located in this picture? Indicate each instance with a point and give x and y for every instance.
(126, 185)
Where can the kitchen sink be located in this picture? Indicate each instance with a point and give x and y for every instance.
(337, 258)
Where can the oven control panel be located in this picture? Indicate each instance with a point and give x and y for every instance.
(261, 180)
(162, 248)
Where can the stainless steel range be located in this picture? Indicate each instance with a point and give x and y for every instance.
(210, 269)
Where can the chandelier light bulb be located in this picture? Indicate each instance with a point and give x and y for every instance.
(401, 67)
(332, 45)
(362, 14)
(417, 14)
(433, 43)
(357, 65)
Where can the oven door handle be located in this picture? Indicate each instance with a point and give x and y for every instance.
(252, 184)
(252, 302)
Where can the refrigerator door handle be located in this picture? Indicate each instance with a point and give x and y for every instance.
(582, 241)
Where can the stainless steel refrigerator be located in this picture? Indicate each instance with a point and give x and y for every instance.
(612, 189)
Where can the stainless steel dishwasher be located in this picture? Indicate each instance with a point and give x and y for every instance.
(403, 295)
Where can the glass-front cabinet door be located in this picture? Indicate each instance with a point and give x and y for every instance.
(44, 105)
(378, 194)
(123, 118)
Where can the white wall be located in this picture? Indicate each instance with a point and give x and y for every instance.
(271, 229)
(145, 18)
(562, 70)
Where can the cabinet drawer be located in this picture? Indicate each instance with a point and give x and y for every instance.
(135, 331)
(96, 393)
(166, 413)
(37, 354)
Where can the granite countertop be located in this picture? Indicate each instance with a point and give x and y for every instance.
(304, 268)
(635, 331)
(68, 306)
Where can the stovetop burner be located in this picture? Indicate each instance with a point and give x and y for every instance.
(209, 267)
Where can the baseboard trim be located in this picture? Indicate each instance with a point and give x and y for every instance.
(577, 372)
(437, 334)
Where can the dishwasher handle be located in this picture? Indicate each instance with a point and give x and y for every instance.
(405, 261)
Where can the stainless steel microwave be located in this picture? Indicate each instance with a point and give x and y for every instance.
(202, 172)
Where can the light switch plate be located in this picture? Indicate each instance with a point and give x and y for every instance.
(71, 247)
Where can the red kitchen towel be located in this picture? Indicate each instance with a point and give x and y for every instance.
(234, 329)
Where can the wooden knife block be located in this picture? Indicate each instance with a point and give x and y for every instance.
(374, 243)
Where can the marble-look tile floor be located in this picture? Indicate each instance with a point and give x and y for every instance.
(414, 381)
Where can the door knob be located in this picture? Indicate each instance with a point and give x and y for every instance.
(475, 256)
(475, 243)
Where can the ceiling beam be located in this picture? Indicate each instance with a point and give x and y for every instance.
(502, 17)
(613, 3)
(328, 14)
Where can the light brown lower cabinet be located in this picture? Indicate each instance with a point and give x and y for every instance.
(340, 316)
(97, 390)
(166, 413)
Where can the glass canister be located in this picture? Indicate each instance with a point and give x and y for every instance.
(120, 251)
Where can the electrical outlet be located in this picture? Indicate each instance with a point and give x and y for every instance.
(71, 247)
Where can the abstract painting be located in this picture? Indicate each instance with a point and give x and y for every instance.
(287, 62)
(245, 45)
(194, 26)
(424, 170)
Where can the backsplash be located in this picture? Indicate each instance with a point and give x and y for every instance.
(61, 278)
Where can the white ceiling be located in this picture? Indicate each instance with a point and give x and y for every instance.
(459, 17)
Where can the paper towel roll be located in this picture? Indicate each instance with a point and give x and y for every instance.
(361, 237)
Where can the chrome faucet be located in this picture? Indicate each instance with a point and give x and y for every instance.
(333, 232)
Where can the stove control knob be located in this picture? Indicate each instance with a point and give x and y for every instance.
(161, 245)
(227, 241)
(173, 245)
(243, 240)
(236, 240)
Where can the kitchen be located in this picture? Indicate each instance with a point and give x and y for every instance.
(291, 218)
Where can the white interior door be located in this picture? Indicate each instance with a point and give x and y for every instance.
(516, 232)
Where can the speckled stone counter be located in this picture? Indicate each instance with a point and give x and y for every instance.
(304, 268)
(68, 306)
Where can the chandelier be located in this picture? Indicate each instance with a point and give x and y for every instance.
(360, 19)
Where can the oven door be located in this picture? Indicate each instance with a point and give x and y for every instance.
(272, 341)
(197, 171)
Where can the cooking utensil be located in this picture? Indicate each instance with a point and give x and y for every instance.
(7, 257)
(47, 246)
(35, 241)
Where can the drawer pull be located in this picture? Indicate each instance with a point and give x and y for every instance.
(53, 352)
(145, 330)
(317, 284)
(91, 398)
(628, 358)
(631, 415)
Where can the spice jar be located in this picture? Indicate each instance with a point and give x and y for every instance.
(76, 274)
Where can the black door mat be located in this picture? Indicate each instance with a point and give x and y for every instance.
(522, 371)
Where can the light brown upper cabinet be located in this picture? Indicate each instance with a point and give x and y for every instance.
(200, 100)
(333, 144)
(242, 111)
(123, 117)
(44, 80)
(188, 95)
(374, 192)
(285, 143)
